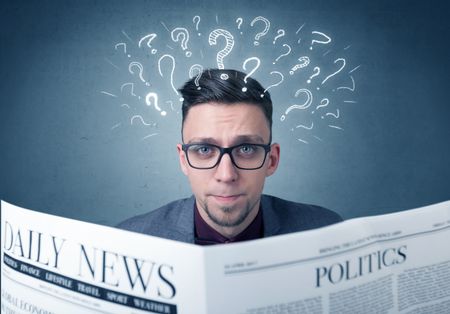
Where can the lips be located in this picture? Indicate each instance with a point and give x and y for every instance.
(226, 198)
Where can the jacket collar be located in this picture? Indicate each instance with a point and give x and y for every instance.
(184, 225)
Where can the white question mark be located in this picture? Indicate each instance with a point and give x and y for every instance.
(265, 30)
(184, 34)
(340, 69)
(284, 54)
(131, 88)
(280, 33)
(352, 89)
(225, 51)
(155, 102)
(333, 115)
(239, 21)
(309, 99)
(199, 69)
(316, 69)
(150, 37)
(140, 68)
(276, 84)
(258, 62)
(304, 62)
(141, 119)
(196, 23)
(171, 73)
(124, 48)
(326, 41)
(323, 103)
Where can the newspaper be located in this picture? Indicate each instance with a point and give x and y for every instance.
(394, 263)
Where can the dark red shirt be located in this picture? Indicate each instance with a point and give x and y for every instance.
(206, 235)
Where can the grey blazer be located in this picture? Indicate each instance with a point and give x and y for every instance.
(175, 220)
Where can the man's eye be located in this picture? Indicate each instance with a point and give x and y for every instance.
(246, 149)
(202, 150)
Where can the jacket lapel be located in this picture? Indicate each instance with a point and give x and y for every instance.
(270, 217)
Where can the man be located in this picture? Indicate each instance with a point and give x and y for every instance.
(227, 154)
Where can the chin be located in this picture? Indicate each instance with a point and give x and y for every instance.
(228, 216)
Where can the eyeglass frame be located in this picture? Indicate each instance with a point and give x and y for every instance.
(227, 150)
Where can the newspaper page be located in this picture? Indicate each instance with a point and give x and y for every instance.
(394, 263)
(51, 264)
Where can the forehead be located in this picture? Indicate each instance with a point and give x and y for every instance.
(225, 123)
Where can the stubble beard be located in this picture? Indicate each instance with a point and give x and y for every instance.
(226, 221)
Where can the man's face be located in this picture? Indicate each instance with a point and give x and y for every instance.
(227, 197)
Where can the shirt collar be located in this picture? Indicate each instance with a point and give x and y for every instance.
(206, 235)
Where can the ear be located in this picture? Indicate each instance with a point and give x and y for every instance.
(182, 158)
(273, 159)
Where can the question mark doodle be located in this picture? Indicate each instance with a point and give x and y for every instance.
(305, 127)
(304, 61)
(276, 84)
(131, 88)
(316, 69)
(258, 62)
(311, 109)
(225, 51)
(196, 23)
(184, 34)
(151, 36)
(141, 119)
(280, 33)
(323, 103)
(171, 73)
(199, 69)
(333, 115)
(264, 32)
(340, 69)
(284, 54)
(327, 39)
(141, 70)
(124, 48)
(239, 21)
(155, 102)
(309, 99)
(352, 89)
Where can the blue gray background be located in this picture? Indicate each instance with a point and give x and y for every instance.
(61, 154)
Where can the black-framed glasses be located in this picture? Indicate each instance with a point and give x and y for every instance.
(244, 156)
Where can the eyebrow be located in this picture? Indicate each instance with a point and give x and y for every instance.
(237, 140)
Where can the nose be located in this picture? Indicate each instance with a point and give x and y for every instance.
(226, 171)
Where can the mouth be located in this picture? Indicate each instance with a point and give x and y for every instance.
(226, 198)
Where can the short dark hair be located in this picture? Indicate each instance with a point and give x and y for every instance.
(225, 87)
